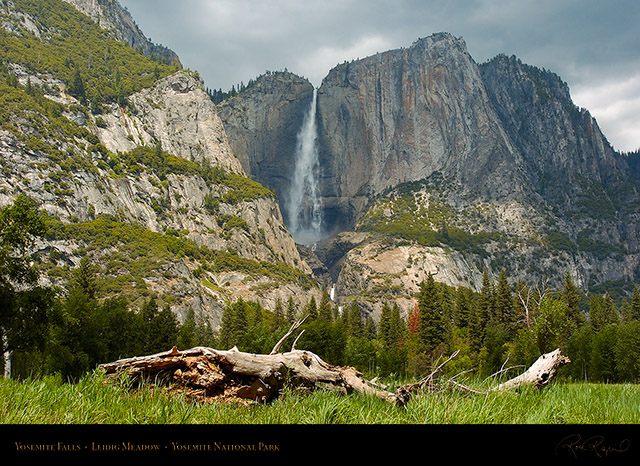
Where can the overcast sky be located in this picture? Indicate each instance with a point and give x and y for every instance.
(594, 45)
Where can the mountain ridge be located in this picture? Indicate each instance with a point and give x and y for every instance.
(500, 146)
(111, 16)
(128, 152)
(428, 159)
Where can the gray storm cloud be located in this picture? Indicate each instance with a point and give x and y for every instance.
(593, 45)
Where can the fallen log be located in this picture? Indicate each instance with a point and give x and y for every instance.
(540, 372)
(261, 377)
(207, 373)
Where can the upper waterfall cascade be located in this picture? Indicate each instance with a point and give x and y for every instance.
(304, 206)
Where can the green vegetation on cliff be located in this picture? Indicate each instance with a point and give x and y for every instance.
(419, 218)
(130, 253)
(54, 39)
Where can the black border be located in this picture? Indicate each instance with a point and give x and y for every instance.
(539, 443)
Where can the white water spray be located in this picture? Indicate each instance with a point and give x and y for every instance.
(304, 207)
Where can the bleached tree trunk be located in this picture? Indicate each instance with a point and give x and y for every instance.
(7, 364)
(208, 372)
(211, 372)
(6, 356)
(540, 372)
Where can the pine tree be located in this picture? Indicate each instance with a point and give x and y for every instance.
(602, 312)
(552, 327)
(580, 352)
(462, 309)
(384, 324)
(311, 309)
(397, 328)
(487, 298)
(187, 333)
(354, 323)
(258, 317)
(370, 329)
(571, 298)
(432, 324)
(391, 332)
(76, 87)
(631, 312)
(161, 327)
(291, 310)
(503, 302)
(29, 89)
(603, 359)
(627, 351)
(278, 315)
(234, 324)
(77, 336)
(447, 305)
(84, 277)
(481, 313)
(324, 309)
(498, 304)
(122, 330)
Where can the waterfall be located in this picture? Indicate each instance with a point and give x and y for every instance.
(304, 207)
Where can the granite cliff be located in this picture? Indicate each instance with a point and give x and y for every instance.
(145, 184)
(263, 124)
(429, 163)
(443, 165)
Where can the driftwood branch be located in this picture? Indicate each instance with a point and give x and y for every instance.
(293, 328)
(539, 373)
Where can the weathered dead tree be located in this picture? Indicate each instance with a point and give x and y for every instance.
(540, 372)
(207, 373)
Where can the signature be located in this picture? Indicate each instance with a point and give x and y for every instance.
(596, 445)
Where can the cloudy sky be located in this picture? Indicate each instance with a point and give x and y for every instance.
(594, 45)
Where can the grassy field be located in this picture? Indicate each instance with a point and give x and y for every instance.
(100, 418)
(94, 400)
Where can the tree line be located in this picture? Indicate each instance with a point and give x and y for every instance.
(500, 325)
(44, 330)
(496, 327)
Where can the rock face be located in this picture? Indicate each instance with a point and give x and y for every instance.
(110, 15)
(557, 140)
(429, 163)
(185, 110)
(262, 124)
(402, 115)
(147, 187)
(177, 113)
(496, 153)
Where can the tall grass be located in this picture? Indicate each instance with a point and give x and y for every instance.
(96, 400)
